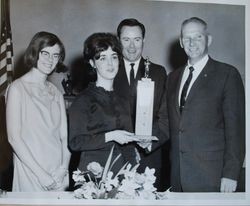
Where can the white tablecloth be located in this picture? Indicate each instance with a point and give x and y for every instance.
(66, 198)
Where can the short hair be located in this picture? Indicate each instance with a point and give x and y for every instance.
(194, 20)
(99, 42)
(38, 42)
(130, 22)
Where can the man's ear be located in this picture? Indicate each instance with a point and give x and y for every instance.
(180, 41)
(209, 39)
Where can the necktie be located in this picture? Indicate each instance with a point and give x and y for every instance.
(185, 88)
(132, 75)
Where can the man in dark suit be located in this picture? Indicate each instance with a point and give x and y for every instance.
(131, 34)
(206, 107)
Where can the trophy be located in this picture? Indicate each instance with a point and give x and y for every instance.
(147, 64)
(67, 85)
(144, 104)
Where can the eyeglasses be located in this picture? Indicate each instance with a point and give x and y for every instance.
(47, 55)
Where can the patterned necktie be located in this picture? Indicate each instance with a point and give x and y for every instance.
(132, 75)
(185, 88)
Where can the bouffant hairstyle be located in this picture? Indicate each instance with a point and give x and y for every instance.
(99, 42)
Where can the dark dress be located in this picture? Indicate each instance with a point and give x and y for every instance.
(95, 112)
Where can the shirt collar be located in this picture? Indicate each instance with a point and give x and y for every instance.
(200, 64)
(127, 64)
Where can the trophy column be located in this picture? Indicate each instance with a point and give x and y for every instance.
(144, 104)
(144, 107)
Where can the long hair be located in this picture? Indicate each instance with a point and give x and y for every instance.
(38, 42)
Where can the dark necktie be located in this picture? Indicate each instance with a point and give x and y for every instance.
(132, 75)
(185, 88)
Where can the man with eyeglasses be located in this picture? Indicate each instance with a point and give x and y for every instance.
(206, 107)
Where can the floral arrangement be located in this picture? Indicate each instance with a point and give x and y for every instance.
(100, 183)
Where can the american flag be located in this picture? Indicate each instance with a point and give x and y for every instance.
(6, 50)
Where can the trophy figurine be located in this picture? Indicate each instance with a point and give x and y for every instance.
(147, 64)
(67, 86)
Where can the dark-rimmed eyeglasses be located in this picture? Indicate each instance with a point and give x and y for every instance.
(47, 55)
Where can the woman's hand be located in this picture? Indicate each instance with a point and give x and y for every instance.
(62, 186)
(47, 182)
(59, 174)
(119, 136)
(61, 177)
(144, 141)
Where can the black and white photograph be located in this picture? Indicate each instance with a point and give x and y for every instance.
(124, 102)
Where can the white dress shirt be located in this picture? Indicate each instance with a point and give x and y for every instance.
(128, 68)
(197, 70)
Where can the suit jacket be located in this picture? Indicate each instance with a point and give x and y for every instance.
(160, 121)
(208, 138)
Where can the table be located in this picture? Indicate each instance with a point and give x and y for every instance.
(67, 198)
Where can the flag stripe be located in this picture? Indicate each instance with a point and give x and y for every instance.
(3, 78)
(3, 63)
(9, 61)
(3, 71)
(6, 49)
(2, 56)
(9, 69)
(3, 46)
(3, 86)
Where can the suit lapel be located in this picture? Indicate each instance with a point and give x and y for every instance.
(122, 79)
(201, 80)
(177, 107)
(141, 70)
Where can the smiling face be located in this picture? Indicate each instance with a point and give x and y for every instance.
(132, 42)
(48, 59)
(107, 65)
(195, 41)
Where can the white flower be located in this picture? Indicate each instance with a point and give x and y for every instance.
(147, 195)
(111, 183)
(125, 196)
(140, 178)
(90, 190)
(78, 176)
(95, 168)
(148, 186)
(79, 193)
(126, 184)
(149, 173)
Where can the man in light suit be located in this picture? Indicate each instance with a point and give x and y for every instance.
(206, 107)
(132, 36)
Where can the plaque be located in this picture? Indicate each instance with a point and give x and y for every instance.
(144, 107)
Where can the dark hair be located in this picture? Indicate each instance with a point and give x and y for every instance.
(130, 22)
(38, 42)
(99, 42)
(194, 20)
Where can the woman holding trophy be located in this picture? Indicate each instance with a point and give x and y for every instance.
(99, 118)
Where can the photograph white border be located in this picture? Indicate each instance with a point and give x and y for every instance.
(182, 198)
